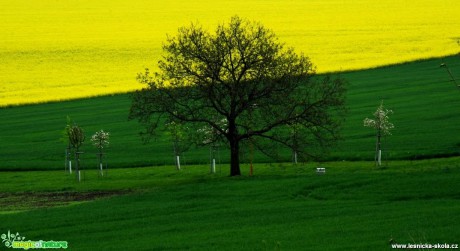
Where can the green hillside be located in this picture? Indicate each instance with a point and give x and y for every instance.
(425, 102)
(426, 106)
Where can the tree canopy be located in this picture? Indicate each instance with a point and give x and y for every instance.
(243, 75)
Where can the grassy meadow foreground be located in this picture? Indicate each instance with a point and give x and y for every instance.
(58, 50)
(283, 207)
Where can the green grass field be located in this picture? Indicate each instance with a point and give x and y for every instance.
(56, 50)
(283, 207)
(354, 206)
(425, 104)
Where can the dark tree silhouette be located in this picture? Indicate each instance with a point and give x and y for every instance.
(244, 75)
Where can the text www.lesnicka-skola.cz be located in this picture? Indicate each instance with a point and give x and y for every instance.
(423, 246)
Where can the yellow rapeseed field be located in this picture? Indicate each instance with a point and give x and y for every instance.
(57, 50)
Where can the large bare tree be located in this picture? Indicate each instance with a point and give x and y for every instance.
(242, 74)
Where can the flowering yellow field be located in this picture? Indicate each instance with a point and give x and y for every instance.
(54, 50)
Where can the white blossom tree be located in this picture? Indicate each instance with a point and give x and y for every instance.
(210, 136)
(382, 125)
(68, 151)
(294, 130)
(100, 140)
(178, 134)
(76, 139)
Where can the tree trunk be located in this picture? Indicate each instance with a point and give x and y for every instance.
(77, 160)
(234, 141)
(377, 149)
(77, 164)
(234, 157)
(101, 171)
